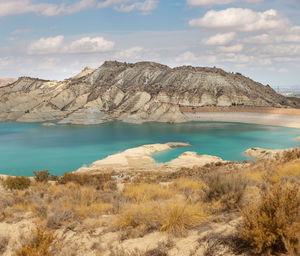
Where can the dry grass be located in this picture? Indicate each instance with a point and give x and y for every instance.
(185, 184)
(144, 192)
(174, 216)
(273, 223)
(288, 171)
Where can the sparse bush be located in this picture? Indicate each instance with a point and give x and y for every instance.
(44, 176)
(16, 183)
(58, 218)
(144, 192)
(39, 244)
(226, 190)
(273, 223)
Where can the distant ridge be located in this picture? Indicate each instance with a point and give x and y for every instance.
(144, 91)
(6, 81)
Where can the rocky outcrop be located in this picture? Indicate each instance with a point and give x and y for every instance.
(268, 154)
(140, 92)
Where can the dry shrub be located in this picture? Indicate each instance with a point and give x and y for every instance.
(44, 176)
(59, 217)
(16, 183)
(3, 244)
(224, 190)
(100, 181)
(144, 192)
(273, 223)
(39, 245)
(173, 216)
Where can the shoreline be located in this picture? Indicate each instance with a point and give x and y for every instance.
(282, 120)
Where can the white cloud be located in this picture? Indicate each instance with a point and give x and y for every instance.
(13, 7)
(241, 20)
(289, 35)
(56, 44)
(46, 45)
(208, 3)
(220, 39)
(187, 56)
(145, 6)
(131, 53)
(232, 48)
(89, 45)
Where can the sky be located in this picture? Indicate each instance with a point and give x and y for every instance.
(56, 39)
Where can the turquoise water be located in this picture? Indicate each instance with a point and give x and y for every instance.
(25, 148)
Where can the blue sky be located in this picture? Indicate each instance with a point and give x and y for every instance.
(56, 39)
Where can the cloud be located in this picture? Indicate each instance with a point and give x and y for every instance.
(89, 45)
(208, 3)
(241, 20)
(131, 53)
(21, 31)
(232, 48)
(56, 44)
(289, 35)
(220, 39)
(46, 45)
(14, 7)
(129, 5)
(187, 56)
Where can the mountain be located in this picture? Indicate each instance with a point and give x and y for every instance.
(144, 91)
(6, 81)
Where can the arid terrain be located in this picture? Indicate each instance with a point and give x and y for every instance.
(220, 208)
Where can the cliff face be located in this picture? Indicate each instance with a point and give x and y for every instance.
(144, 91)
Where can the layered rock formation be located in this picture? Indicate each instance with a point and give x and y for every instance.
(140, 92)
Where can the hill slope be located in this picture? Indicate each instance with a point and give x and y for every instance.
(144, 91)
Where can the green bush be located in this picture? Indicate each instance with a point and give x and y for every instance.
(18, 182)
(44, 176)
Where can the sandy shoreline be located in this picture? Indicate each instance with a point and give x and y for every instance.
(284, 120)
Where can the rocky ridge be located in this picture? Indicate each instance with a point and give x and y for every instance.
(144, 91)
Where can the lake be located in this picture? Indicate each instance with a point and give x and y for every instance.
(28, 147)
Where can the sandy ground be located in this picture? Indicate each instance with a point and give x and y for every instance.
(285, 120)
(262, 110)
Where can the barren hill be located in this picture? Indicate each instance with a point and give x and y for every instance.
(143, 91)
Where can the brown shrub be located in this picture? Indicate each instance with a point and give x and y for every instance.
(44, 176)
(101, 181)
(16, 183)
(273, 223)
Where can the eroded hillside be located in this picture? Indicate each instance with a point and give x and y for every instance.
(144, 91)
